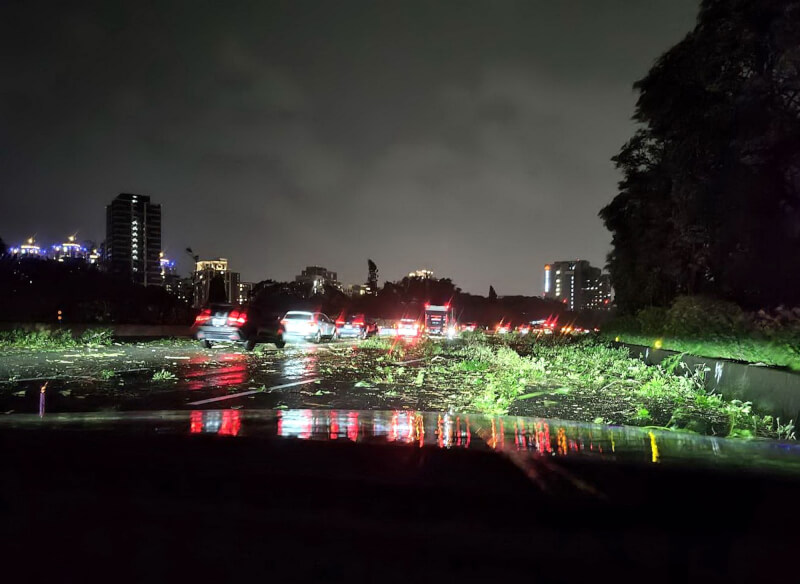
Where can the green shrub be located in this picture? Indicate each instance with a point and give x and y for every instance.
(700, 317)
(652, 320)
(96, 337)
(623, 323)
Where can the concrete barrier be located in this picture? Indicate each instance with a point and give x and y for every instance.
(772, 390)
(120, 331)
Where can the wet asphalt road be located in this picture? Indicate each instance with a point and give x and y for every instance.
(122, 378)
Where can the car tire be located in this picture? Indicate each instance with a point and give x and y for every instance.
(206, 344)
(363, 335)
(249, 344)
(280, 344)
(317, 336)
(335, 336)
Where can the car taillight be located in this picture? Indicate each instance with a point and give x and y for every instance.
(236, 318)
(203, 317)
(283, 321)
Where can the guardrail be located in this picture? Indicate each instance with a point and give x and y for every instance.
(772, 390)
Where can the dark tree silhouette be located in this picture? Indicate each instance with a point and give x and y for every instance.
(372, 276)
(216, 290)
(710, 196)
(492, 293)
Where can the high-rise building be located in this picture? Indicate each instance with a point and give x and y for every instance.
(243, 292)
(577, 284)
(133, 239)
(318, 277)
(205, 272)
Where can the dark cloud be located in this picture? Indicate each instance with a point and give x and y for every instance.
(469, 137)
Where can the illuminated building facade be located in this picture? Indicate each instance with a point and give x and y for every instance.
(424, 274)
(133, 239)
(205, 272)
(357, 290)
(577, 284)
(318, 277)
(28, 249)
(243, 293)
(70, 251)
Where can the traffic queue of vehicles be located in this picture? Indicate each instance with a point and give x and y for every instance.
(247, 325)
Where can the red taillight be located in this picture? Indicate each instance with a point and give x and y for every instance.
(203, 317)
(236, 318)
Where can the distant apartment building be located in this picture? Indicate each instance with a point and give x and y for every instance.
(577, 284)
(318, 277)
(28, 249)
(68, 251)
(205, 272)
(243, 292)
(133, 239)
(357, 290)
(424, 274)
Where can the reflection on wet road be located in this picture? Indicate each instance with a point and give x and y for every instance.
(522, 439)
(127, 377)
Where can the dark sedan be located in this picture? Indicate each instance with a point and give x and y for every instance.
(356, 325)
(232, 323)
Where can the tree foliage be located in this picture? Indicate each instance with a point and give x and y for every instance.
(709, 202)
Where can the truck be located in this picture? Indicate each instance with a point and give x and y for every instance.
(440, 320)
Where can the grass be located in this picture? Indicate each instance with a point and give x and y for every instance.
(582, 379)
(164, 375)
(749, 350)
(47, 340)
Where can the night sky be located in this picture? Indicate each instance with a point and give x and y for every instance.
(471, 138)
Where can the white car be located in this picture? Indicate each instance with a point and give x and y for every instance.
(313, 326)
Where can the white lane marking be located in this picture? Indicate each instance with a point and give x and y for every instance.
(244, 393)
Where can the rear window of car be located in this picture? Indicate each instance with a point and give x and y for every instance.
(298, 315)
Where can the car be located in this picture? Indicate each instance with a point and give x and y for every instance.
(469, 327)
(387, 329)
(312, 326)
(235, 323)
(523, 329)
(409, 328)
(502, 328)
(356, 325)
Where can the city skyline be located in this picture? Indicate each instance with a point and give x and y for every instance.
(279, 129)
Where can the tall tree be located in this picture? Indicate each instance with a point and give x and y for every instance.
(710, 196)
(372, 276)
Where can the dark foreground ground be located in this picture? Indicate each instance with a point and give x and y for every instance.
(164, 497)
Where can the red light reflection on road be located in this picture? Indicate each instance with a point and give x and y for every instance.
(334, 424)
(231, 423)
(223, 377)
(196, 422)
(352, 426)
(225, 423)
(410, 427)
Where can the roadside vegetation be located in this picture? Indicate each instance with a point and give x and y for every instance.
(713, 328)
(578, 379)
(46, 340)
